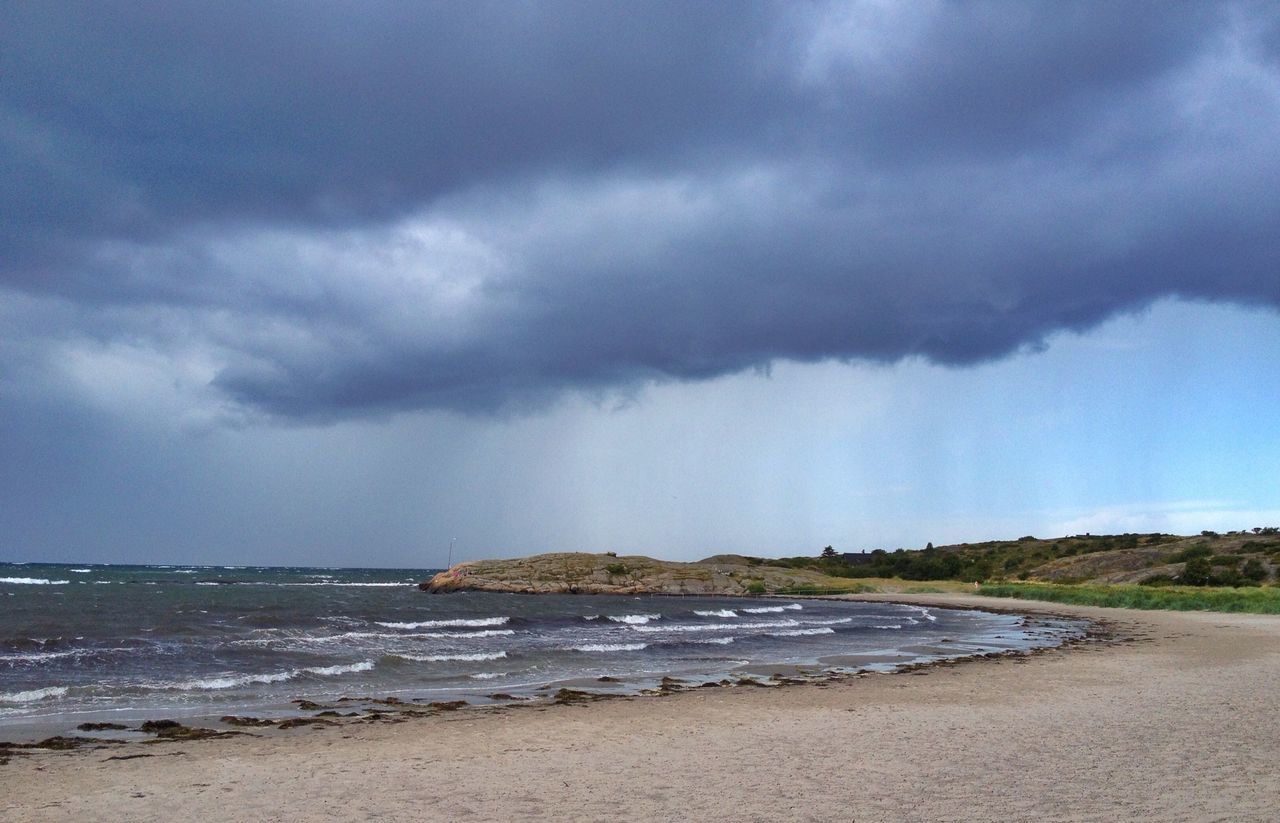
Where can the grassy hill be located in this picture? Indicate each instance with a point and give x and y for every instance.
(1232, 559)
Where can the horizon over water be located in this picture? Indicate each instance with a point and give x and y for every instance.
(95, 643)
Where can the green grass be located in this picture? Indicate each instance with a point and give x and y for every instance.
(852, 588)
(1251, 599)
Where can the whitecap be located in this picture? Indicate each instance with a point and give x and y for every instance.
(716, 613)
(713, 627)
(713, 641)
(32, 581)
(441, 624)
(802, 632)
(37, 656)
(231, 681)
(33, 695)
(634, 619)
(349, 668)
(80, 571)
(923, 612)
(888, 626)
(611, 647)
(442, 658)
(486, 675)
(228, 681)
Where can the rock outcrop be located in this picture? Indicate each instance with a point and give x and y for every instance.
(581, 573)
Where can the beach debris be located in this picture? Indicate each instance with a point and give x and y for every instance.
(308, 706)
(101, 727)
(315, 722)
(173, 730)
(236, 720)
(447, 705)
(565, 696)
(750, 681)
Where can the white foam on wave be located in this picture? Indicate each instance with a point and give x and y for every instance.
(923, 612)
(33, 695)
(611, 647)
(835, 621)
(634, 619)
(349, 668)
(774, 609)
(888, 626)
(484, 633)
(285, 639)
(486, 675)
(34, 657)
(714, 627)
(32, 581)
(802, 632)
(442, 658)
(444, 624)
(233, 681)
(713, 641)
(716, 613)
(80, 571)
(591, 617)
(350, 585)
(228, 681)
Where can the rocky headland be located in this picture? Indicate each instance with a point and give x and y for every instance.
(582, 573)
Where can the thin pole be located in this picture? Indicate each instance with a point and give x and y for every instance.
(451, 542)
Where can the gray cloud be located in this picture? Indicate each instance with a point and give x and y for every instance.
(318, 213)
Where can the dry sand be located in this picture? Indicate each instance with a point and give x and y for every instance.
(1176, 718)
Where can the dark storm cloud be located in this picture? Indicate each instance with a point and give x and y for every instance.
(321, 211)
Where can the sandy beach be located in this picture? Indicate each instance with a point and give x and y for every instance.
(1174, 717)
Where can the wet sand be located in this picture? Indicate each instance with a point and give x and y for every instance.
(1175, 717)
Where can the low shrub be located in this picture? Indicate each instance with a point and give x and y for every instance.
(1252, 599)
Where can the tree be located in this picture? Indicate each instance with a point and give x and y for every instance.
(829, 553)
(1197, 572)
(1253, 570)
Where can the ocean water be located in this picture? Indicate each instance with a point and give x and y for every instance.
(125, 643)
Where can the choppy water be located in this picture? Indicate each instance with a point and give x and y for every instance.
(127, 642)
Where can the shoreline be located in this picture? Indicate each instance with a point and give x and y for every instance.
(115, 726)
(1171, 716)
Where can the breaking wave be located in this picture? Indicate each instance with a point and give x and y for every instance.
(444, 624)
(774, 609)
(634, 619)
(33, 695)
(611, 647)
(32, 581)
(442, 658)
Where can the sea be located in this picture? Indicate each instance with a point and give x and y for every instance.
(108, 643)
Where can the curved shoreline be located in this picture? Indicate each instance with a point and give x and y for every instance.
(121, 725)
(1173, 719)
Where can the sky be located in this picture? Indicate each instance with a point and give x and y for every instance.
(335, 284)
